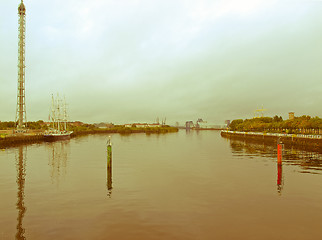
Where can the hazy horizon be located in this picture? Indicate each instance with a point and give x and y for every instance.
(133, 61)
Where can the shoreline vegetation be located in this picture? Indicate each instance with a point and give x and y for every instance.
(35, 131)
(301, 132)
(299, 125)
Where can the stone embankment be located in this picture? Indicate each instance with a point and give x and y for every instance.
(13, 140)
(307, 142)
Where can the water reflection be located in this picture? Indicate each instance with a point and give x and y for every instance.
(58, 156)
(21, 174)
(109, 168)
(109, 181)
(309, 162)
(280, 181)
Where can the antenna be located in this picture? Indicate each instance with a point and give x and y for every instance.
(259, 112)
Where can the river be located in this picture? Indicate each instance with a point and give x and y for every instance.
(185, 185)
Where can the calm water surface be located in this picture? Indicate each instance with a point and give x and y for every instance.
(185, 185)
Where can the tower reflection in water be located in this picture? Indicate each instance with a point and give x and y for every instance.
(58, 160)
(21, 175)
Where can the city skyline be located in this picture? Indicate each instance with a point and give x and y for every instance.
(134, 61)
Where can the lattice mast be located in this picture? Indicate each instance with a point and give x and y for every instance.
(21, 104)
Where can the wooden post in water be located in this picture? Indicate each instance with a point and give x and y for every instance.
(109, 166)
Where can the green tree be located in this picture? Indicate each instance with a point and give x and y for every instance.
(234, 125)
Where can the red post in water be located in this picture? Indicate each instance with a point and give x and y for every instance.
(279, 153)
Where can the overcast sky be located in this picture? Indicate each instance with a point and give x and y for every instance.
(135, 60)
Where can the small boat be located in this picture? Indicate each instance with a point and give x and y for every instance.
(58, 116)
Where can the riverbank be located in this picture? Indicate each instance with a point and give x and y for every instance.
(15, 140)
(10, 140)
(127, 130)
(301, 141)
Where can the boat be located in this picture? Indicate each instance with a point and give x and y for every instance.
(58, 117)
(59, 135)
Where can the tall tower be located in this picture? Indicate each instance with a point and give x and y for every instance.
(21, 104)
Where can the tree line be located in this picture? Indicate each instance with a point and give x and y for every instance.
(41, 125)
(30, 125)
(303, 124)
(84, 127)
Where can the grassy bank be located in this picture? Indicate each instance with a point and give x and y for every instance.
(121, 130)
(34, 136)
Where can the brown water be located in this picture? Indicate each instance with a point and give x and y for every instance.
(194, 185)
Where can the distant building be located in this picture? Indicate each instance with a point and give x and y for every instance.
(104, 125)
(291, 115)
(198, 123)
(76, 123)
(154, 125)
(142, 125)
(209, 125)
(189, 124)
(109, 125)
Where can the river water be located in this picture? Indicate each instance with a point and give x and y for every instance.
(185, 185)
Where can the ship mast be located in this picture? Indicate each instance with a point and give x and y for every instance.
(65, 114)
(21, 104)
(53, 115)
(58, 112)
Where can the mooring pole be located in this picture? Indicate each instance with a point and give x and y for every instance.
(109, 153)
(109, 165)
(279, 166)
(279, 152)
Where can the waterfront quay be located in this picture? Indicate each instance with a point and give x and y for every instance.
(16, 139)
(312, 142)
